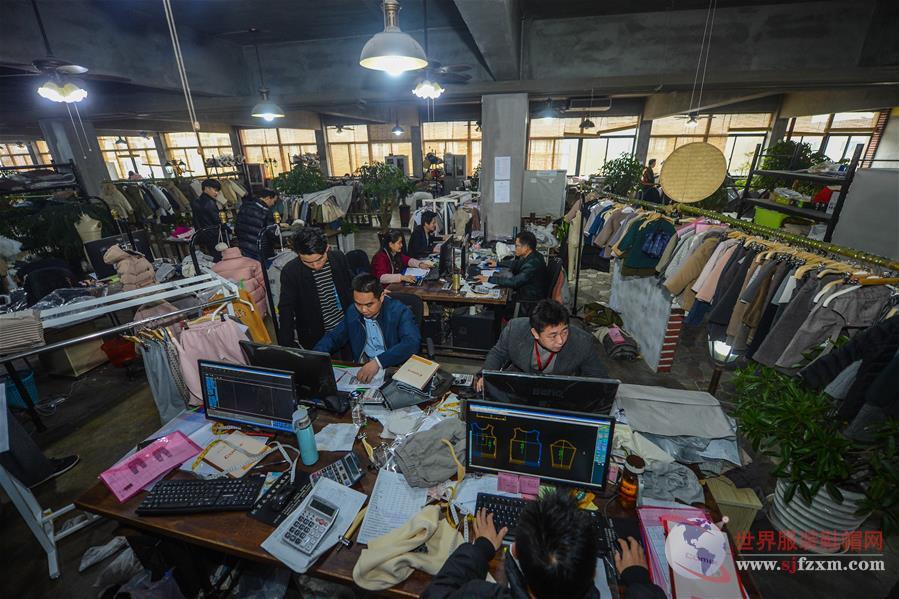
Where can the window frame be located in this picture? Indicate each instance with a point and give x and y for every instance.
(150, 154)
(579, 152)
(469, 140)
(284, 154)
(172, 151)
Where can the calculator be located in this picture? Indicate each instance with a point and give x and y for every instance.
(346, 471)
(311, 525)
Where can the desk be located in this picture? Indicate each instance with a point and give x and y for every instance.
(433, 291)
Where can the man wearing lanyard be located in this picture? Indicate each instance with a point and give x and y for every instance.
(543, 343)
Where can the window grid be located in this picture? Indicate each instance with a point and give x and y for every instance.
(549, 149)
(13, 155)
(356, 145)
(454, 137)
(835, 134)
(43, 151)
(194, 148)
(138, 155)
(274, 147)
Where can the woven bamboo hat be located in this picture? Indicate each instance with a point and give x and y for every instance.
(693, 172)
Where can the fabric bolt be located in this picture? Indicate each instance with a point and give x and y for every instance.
(215, 340)
(168, 398)
(240, 269)
(133, 269)
(854, 310)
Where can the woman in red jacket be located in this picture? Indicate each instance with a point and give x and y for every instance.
(390, 261)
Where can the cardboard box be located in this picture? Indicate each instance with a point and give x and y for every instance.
(739, 505)
(75, 360)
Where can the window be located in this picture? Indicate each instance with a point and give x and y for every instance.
(836, 135)
(138, 154)
(193, 149)
(275, 147)
(352, 146)
(736, 135)
(453, 137)
(43, 151)
(15, 154)
(550, 149)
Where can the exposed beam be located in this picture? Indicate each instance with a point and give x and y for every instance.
(804, 103)
(680, 102)
(495, 26)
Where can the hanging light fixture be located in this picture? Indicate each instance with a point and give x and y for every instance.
(586, 123)
(121, 142)
(266, 109)
(69, 92)
(428, 90)
(391, 50)
(692, 121)
(397, 130)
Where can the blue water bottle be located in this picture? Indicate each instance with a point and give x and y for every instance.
(302, 426)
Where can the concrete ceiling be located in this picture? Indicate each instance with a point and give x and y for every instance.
(637, 50)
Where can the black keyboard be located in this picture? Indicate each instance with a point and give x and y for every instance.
(195, 495)
(507, 510)
(432, 275)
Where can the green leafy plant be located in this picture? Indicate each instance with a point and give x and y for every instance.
(476, 178)
(779, 157)
(347, 227)
(622, 174)
(383, 184)
(305, 177)
(797, 428)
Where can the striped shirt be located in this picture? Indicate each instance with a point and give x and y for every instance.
(327, 297)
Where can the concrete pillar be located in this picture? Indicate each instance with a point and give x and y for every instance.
(160, 149)
(778, 131)
(32, 152)
(504, 126)
(641, 149)
(322, 150)
(234, 134)
(417, 151)
(67, 143)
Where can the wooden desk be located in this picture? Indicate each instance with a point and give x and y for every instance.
(432, 291)
(235, 533)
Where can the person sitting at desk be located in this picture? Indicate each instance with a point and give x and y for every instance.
(422, 241)
(388, 264)
(530, 277)
(554, 555)
(381, 331)
(544, 343)
(315, 290)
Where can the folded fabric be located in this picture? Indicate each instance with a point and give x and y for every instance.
(672, 481)
(390, 559)
(20, 330)
(425, 460)
(617, 343)
(673, 412)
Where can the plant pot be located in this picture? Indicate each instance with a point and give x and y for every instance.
(347, 243)
(823, 515)
(405, 215)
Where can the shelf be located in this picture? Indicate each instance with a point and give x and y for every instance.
(808, 213)
(813, 177)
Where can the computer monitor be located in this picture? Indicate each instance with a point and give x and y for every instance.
(583, 394)
(446, 258)
(97, 248)
(313, 376)
(260, 397)
(562, 447)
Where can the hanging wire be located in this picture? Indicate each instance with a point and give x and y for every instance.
(708, 50)
(179, 61)
(83, 132)
(705, 30)
(75, 131)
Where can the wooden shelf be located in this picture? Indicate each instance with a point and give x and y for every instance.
(803, 176)
(815, 215)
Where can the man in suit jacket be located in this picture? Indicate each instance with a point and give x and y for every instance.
(381, 331)
(530, 277)
(544, 343)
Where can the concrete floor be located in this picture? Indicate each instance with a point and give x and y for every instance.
(106, 414)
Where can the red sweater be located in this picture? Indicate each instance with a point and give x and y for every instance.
(383, 264)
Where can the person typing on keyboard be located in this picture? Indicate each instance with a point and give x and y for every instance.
(554, 555)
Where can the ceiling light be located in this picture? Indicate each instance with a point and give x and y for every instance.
(266, 109)
(121, 141)
(20, 144)
(548, 112)
(68, 93)
(397, 130)
(392, 50)
(692, 121)
(428, 90)
(587, 124)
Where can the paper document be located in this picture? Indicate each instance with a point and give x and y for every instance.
(502, 167)
(336, 437)
(501, 192)
(467, 495)
(488, 272)
(348, 502)
(347, 381)
(415, 272)
(127, 479)
(392, 503)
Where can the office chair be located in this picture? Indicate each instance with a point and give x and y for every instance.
(415, 303)
(358, 262)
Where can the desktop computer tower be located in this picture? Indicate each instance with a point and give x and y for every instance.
(473, 331)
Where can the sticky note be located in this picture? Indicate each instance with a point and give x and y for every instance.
(529, 485)
(507, 483)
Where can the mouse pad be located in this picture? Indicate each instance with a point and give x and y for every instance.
(281, 499)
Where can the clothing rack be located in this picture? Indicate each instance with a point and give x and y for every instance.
(69, 166)
(764, 231)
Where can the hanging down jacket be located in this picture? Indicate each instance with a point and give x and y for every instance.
(134, 270)
(235, 267)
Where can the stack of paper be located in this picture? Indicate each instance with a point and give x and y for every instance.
(392, 503)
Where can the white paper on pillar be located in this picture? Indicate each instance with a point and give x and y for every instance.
(502, 168)
(501, 192)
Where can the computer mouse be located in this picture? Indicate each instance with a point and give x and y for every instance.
(281, 499)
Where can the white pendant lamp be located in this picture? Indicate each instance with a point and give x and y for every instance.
(266, 109)
(428, 90)
(68, 93)
(392, 51)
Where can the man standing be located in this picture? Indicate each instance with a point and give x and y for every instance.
(206, 214)
(544, 343)
(648, 189)
(381, 331)
(423, 239)
(255, 214)
(530, 277)
(315, 290)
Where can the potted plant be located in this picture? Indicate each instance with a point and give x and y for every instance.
(383, 184)
(305, 177)
(346, 239)
(780, 157)
(825, 480)
(622, 174)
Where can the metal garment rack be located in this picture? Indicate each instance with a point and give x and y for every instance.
(104, 306)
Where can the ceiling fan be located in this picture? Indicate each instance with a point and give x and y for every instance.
(58, 71)
(692, 118)
(342, 128)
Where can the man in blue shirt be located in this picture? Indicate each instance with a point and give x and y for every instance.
(381, 331)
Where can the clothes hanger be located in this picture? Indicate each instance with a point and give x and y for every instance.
(874, 280)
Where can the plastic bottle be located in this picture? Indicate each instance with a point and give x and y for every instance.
(302, 426)
(630, 483)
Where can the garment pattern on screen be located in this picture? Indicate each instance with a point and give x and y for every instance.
(561, 454)
(525, 448)
(483, 441)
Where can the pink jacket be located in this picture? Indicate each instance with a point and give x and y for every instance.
(133, 269)
(235, 267)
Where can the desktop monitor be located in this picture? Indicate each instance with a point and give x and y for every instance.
(446, 258)
(97, 248)
(583, 394)
(313, 376)
(562, 447)
(259, 397)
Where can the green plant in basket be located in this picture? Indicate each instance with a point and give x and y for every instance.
(622, 174)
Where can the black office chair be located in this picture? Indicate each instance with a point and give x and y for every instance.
(415, 303)
(359, 262)
(42, 281)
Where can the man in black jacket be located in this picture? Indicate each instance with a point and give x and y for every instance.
(206, 214)
(316, 290)
(422, 241)
(530, 277)
(254, 215)
(555, 550)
